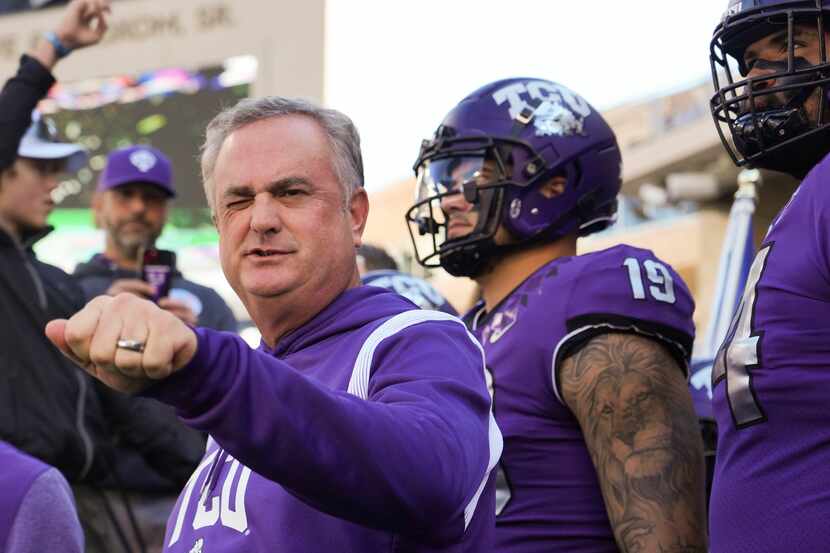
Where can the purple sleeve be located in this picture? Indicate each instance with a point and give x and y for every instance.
(411, 459)
(47, 520)
(628, 289)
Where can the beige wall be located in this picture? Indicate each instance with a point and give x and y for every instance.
(691, 244)
(287, 37)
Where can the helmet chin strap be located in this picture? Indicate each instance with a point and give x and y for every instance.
(469, 260)
(482, 255)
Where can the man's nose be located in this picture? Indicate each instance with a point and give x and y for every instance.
(137, 203)
(265, 216)
(455, 201)
(764, 68)
(758, 85)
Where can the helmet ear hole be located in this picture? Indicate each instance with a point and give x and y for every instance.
(553, 187)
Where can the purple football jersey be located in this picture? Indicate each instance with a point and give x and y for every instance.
(548, 495)
(771, 384)
(367, 429)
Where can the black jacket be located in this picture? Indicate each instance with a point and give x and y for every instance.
(49, 408)
(44, 399)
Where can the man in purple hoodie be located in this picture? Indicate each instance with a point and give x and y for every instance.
(362, 424)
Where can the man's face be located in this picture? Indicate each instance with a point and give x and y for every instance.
(133, 216)
(769, 55)
(26, 193)
(284, 223)
(461, 215)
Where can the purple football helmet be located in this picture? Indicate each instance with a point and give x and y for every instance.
(763, 120)
(497, 147)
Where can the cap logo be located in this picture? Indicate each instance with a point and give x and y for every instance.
(143, 160)
(558, 110)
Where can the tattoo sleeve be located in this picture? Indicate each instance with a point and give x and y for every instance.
(636, 414)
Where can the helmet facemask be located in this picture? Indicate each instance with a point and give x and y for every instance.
(778, 120)
(498, 147)
(480, 170)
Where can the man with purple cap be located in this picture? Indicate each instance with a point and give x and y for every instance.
(131, 204)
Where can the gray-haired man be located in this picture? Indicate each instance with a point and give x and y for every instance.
(362, 423)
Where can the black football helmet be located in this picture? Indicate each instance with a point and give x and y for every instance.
(763, 120)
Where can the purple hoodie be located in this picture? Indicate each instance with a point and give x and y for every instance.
(368, 429)
(37, 511)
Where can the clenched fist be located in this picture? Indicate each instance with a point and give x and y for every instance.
(154, 343)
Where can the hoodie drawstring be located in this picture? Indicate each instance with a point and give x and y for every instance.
(212, 480)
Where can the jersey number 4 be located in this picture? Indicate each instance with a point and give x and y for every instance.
(741, 352)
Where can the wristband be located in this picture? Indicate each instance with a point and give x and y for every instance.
(61, 51)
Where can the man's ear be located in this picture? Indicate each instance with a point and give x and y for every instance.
(359, 213)
(554, 187)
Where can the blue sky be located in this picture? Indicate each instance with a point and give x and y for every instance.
(396, 67)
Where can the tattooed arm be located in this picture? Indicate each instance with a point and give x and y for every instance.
(636, 414)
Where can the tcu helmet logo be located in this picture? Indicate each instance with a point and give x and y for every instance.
(143, 160)
(560, 113)
(734, 8)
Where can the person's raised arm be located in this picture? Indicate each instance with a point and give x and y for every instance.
(84, 23)
(410, 453)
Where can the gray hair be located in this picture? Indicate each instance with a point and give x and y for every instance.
(343, 137)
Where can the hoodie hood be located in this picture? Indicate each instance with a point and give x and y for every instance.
(353, 309)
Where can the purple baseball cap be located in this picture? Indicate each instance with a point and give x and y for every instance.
(143, 164)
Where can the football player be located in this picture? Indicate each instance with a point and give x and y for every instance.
(587, 354)
(771, 377)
